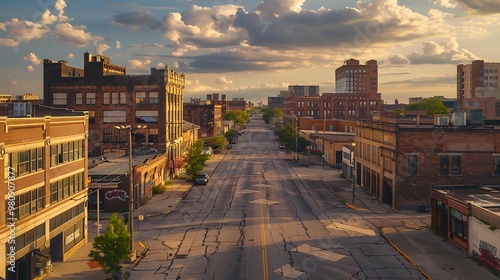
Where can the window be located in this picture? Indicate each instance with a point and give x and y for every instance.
(66, 152)
(26, 162)
(114, 116)
(59, 98)
(458, 224)
(146, 116)
(140, 97)
(455, 165)
(28, 203)
(114, 98)
(497, 165)
(412, 165)
(153, 98)
(65, 187)
(90, 98)
(443, 165)
(123, 97)
(79, 98)
(105, 98)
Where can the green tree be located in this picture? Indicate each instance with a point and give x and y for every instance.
(112, 247)
(230, 134)
(218, 142)
(195, 158)
(433, 106)
(239, 117)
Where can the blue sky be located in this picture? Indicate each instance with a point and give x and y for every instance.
(254, 48)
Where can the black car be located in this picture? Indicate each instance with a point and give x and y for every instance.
(201, 179)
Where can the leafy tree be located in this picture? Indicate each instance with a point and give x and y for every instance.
(111, 247)
(269, 114)
(433, 106)
(239, 117)
(286, 135)
(218, 142)
(196, 158)
(230, 134)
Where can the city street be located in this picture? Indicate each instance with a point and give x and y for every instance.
(261, 218)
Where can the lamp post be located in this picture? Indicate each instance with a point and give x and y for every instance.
(324, 135)
(192, 128)
(295, 126)
(353, 170)
(131, 193)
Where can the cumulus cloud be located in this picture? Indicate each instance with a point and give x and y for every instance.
(70, 56)
(8, 42)
(223, 80)
(197, 86)
(143, 46)
(138, 64)
(134, 20)
(59, 6)
(118, 45)
(23, 30)
(398, 59)
(73, 35)
(445, 52)
(238, 60)
(47, 18)
(32, 58)
(446, 3)
(480, 7)
(101, 48)
(29, 68)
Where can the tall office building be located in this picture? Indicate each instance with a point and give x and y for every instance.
(477, 80)
(44, 187)
(113, 98)
(353, 77)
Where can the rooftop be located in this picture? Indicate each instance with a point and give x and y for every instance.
(486, 196)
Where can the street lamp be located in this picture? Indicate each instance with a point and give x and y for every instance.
(295, 126)
(131, 194)
(353, 160)
(324, 135)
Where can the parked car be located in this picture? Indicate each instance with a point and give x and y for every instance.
(201, 179)
(282, 146)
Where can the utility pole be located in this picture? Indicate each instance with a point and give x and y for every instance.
(324, 136)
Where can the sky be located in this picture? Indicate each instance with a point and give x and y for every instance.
(253, 49)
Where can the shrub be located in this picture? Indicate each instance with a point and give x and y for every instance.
(159, 189)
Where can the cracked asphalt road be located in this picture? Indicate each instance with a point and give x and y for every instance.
(262, 218)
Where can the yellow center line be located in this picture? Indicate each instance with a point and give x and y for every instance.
(263, 236)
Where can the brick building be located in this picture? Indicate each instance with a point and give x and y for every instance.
(353, 77)
(398, 163)
(207, 116)
(333, 105)
(478, 87)
(469, 217)
(45, 167)
(113, 98)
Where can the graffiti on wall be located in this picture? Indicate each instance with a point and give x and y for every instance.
(488, 254)
(116, 194)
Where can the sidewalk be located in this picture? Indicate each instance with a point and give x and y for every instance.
(78, 265)
(408, 231)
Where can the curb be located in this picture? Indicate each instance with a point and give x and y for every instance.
(131, 266)
(404, 255)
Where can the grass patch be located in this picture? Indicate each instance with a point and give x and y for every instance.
(342, 175)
